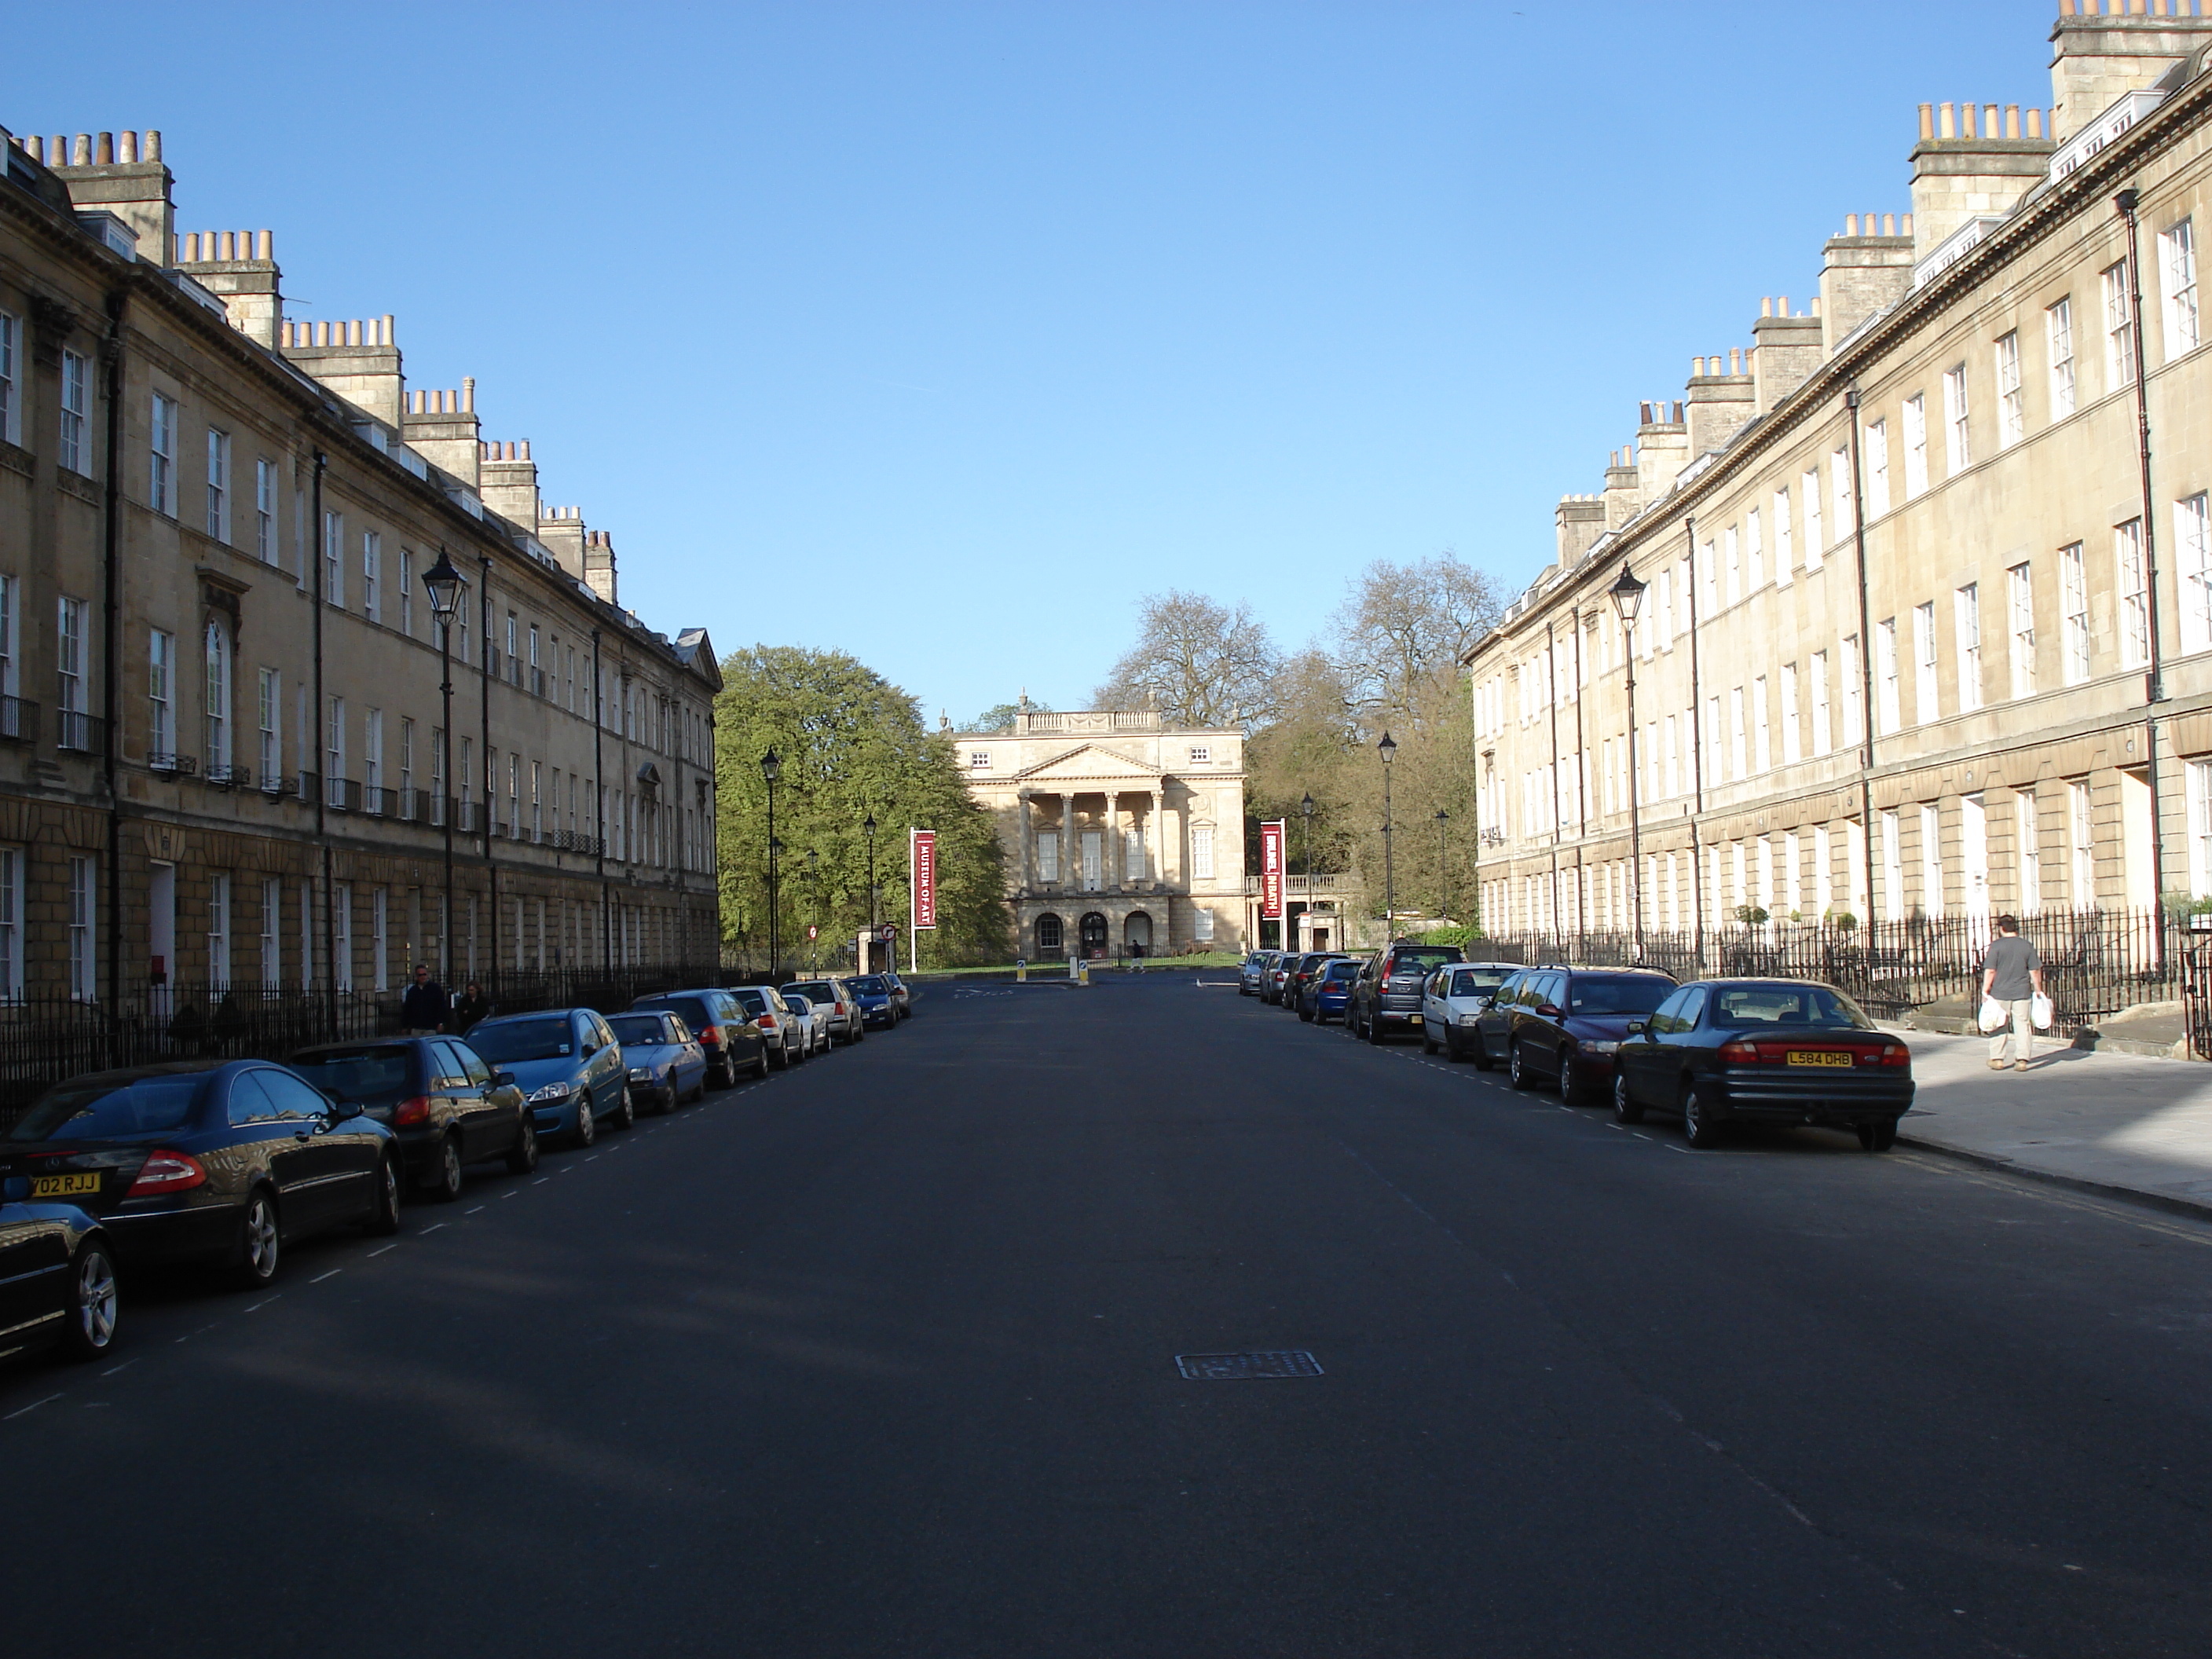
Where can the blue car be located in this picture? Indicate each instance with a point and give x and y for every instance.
(1328, 991)
(665, 1062)
(569, 1067)
(876, 1006)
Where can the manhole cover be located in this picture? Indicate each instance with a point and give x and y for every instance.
(1235, 1367)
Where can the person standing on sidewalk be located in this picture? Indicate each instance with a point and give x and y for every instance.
(2012, 975)
(423, 1009)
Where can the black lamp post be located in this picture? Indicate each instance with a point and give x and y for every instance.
(814, 904)
(1306, 812)
(875, 893)
(1389, 750)
(1627, 598)
(1443, 881)
(771, 769)
(445, 584)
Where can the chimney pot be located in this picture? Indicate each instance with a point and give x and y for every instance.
(105, 155)
(1850, 224)
(2035, 123)
(152, 144)
(1905, 224)
(81, 150)
(128, 149)
(1947, 121)
(468, 394)
(1889, 224)
(1928, 120)
(264, 245)
(2012, 120)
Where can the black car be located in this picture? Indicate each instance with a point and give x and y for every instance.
(443, 1103)
(1386, 998)
(1764, 1051)
(1565, 1022)
(724, 1030)
(57, 1279)
(222, 1161)
(1302, 968)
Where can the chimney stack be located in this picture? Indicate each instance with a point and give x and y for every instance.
(135, 189)
(2100, 54)
(1964, 169)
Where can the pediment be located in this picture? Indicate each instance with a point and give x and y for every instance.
(1088, 763)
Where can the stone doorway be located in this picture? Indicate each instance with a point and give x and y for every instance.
(1093, 928)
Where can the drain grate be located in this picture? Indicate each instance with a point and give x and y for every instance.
(1236, 1367)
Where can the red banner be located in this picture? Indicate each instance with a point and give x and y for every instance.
(923, 864)
(1271, 870)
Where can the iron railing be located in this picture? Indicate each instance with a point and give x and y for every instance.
(18, 720)
(78, 731)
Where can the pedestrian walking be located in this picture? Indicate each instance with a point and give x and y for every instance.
(425, 1008)
(2012, 977)
(473, 1007)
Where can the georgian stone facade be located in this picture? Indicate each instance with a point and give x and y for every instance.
(224, 754)
(1118, 831)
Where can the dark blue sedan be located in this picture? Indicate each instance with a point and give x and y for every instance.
(1328, 993)
(878, 1008)
(569, 1067)
(1764, 1051)
(219, 1162)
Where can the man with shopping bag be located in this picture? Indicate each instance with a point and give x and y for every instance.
(2011, 978)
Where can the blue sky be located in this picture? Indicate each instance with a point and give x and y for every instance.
(941, 333)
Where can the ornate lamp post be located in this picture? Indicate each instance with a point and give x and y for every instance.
(1443, 881)
(1627, 598)
(771, 769)
(445, 584)
(1389, 750)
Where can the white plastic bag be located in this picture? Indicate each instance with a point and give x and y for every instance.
(2042, 1013)
(1991, 1015)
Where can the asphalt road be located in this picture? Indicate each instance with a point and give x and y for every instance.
(879, 1358)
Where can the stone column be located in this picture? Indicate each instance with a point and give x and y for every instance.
(1110, 863)
(1022, 818)
(1156, 841)
(1071, 873)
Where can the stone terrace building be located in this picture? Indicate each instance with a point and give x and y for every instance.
(1924, 634)
(222, 755)
(1118, 831)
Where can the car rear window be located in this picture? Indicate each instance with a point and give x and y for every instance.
(641, 1028)
(1477, 981)
(868, 986)
(1617, 994)
(1787, 1005)
(512, 1043)
(1344, 969)
(88, 1108)
(1423, 963)
(753, 1002)
(370, 1074)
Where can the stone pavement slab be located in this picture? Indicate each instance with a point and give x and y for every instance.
(2116, 1122)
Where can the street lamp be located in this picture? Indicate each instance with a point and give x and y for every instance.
(771, 769)
(814, 903)
(445, 584)
(1389, 750)
(1627, 598)
(1443, 881)
(1306, 812)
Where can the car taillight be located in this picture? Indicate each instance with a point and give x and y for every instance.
(766, 1022)
(167, 1172)
(407, 1112)
(1740, 1053)
(712, 1036)
(1893, 1053)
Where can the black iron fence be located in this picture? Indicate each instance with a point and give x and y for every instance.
(2095, 962)
(43, 1039)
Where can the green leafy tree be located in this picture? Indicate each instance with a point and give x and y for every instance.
(849, 743)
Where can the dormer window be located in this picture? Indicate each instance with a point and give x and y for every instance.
(1200, 754)
(980, 759)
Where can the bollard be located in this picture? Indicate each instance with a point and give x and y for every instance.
(1021, 971)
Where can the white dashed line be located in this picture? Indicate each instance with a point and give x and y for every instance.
(380, 1249)
(427, 1231)
(124, 1366)
(319, 1278)
(477, 1211)
(32, 1406)
(541, 1180)
(264, 1302)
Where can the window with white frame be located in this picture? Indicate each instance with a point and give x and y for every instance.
(1047, 853)
(76, 447)
(2133, 591)
(1958, 450)
(1784, 555)
(1931, 861)
(82, 973)
(372, 757)
(2119, 328)
(380, 958)
(11, 716)
(1762, 751)
(269, 714)
(2199, 778)
(218, 933)
(1706, 570)
(264, 511)
(2192, 545)
(11, 924)
(1888, 713)
(1839, 486)
(1792, 742)
(1927, 703)
(1966, 616)
(1916, 444)
(2176, 263)
(407, 768)
(1821, 723)
(1716, 772)
(162, 697)
(2082, 838)
(218, 485)
(1739, 746)
(1893, 868)
(217, 659)
(1201, 852)
(407, 592)
(1732, 553)
(1816, 545)
(2074, 612)
(2012, 416)
(1854, 671)
(537, 803)
(2019, 627)
(2027, 852)
(334, 748)
(12, 412)
(1877, 464)
(342, 934)
(1755, 551)
(272, 939)
(2058, 341)
(69, 673)
(334, 558)
(1201, 755)
(980, 759)
(161, 446)
(372, 576)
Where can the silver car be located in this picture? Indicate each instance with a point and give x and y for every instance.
(813, 1022)
(1454, 996)
(843, 1008)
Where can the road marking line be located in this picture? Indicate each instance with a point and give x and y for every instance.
(541, 1180)
(189, 1335)
(477, 1211)
(319, 1278)
(264, 1302)
(381, 1249)
(124, 1366)
(594, 1158)
(427, 1231)
(510, 1192)
(32, 1406)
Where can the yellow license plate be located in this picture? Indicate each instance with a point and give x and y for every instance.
(65, 1186)
(1416, 1018)
(1819, 1057)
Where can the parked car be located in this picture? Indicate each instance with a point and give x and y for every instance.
(1304, 967)
(443, 1103)
(569, 1065)
(1453, 999)
(1276, 974)
(56, 1281)
(813, 1023)
(1565, 1022)
(844, 1013)
(1328, 990)
(724, 1032)
(778, 1025)
(222, 1161)
(1247, 973)
(902, 993)
(1765, 1051)
(665, 1063)
(874, 997)
(1386, 998)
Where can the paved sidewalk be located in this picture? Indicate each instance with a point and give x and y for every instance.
(2122, 1121)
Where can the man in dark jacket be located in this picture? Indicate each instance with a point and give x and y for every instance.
(423, 1010)
(471, 1008)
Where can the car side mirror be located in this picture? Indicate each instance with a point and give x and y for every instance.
(343, 1110)
(590, 1048)
(501, 1079)
(1635, 1027)
(1548, 1010)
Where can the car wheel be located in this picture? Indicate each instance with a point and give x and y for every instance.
(1515, 1073)
(260, 1240)
(1428, 1039)
(1481, 1056)
(760, 1065)
(384, 1214)
(444, 1181)
(1699, 1126)
(1571, 1085)
(625, 1114)
(522, 1158)
(94, 1302)
(587, 1126)
(1305, 1013)
(1878, 1137)
(1374, 1030)
(782, 1058)
(1624, 1109)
